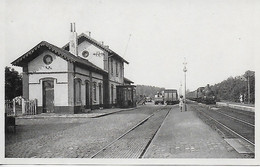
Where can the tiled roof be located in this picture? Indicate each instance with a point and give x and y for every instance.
(96, 43)
(28, 56)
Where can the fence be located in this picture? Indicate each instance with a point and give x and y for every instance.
(20, 106)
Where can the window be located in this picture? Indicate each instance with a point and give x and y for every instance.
(112, 69)
(47, 59)
(95, 91)
(116, 69)
(112, 93)
(121, 70)
(85, 53)
(100, 93)
(77, 90)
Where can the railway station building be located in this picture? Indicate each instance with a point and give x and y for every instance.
(83, 74)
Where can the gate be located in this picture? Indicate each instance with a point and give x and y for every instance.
(20, 106)
(29, 107)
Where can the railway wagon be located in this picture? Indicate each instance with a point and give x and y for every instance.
(171, 96)
(192, 95)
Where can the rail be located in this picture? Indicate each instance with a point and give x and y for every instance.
(232, 130)
(138, 151)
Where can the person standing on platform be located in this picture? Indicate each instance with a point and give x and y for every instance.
(181, 102)
(241, 98)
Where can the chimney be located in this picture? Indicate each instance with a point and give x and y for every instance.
(89, 34)
(73, 40)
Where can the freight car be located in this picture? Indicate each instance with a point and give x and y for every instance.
(171, 96)
(202, 95)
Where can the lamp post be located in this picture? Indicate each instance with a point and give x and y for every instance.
(248, 90)
(184, 95)
(180, 90)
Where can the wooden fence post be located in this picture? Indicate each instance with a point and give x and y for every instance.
(14, 107)
(23, 106)
(35, 106)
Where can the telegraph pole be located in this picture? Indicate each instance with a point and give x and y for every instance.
(184, 95)
(248, 90)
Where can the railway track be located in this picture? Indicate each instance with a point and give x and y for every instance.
(231, 126)
(250, 122)
(134, 142)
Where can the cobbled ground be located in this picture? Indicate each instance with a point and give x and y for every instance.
(69, 137)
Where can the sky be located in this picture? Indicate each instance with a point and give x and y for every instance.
(218, 39)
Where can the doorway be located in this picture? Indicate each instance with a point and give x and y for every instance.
(48, 96)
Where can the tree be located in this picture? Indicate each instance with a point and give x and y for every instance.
(232, 88)
(146, 90)
(13, 83)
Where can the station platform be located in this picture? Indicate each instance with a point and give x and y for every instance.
(185, 135)
(93, 114)
(239, 106)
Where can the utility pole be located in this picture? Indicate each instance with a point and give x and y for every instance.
(180, 89)
(184, 95)
(248, 99)
(247, 76)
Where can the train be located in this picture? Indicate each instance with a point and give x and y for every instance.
(168, 96)
(202, 95)
(171, 96)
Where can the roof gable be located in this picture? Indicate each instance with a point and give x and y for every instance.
(39, 48)
(83, 37)
(42, 46)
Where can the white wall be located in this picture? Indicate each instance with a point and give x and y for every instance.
(58, 64)
(95, 59)
(60, 79)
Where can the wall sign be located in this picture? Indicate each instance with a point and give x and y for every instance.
(99, 54)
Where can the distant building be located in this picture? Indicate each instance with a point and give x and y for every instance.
(81, 75)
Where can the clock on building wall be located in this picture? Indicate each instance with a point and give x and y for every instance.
(47, 59)
(85, 53)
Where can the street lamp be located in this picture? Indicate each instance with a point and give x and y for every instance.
(180, 90)
(184, 95)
